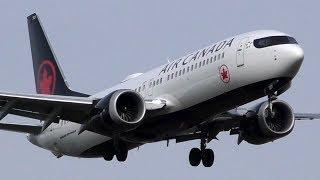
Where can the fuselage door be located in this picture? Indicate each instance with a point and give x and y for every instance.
(150, 88)
(241, 52)
(144, 88)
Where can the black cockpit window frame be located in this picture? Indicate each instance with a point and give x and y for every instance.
(273, 40)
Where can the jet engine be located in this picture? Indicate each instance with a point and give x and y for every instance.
(268, 124)
(120, 111)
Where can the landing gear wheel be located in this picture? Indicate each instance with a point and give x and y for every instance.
(108, 156)
(207, 157)
(120, 149)
(195, 157)
(122, 155)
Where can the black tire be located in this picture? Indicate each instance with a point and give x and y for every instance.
(207, 157)
(122, 155)
(195, 157)
(108, 156)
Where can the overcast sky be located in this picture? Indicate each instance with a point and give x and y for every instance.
(98, 43)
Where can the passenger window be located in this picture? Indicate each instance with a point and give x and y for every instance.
(172, 75)
(219, 57)
(211, 60)
(188, 69)
(154, 83)
(160, 80)
(180, 73)
(157, 81)
(203, 62)
(176, 74)
(207, 61)
(199, 64)
(183, 71)
(222, 55)
(139, 89)
(215, 57)
(195, 67)
(168, 77)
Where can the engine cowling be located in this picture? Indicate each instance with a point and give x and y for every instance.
(265, 127)
(120, 111)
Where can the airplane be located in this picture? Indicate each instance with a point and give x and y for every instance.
(194, 97)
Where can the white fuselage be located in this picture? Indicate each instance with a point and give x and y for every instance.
(187, 81)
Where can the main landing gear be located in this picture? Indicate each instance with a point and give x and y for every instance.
(205, 155)
(121, 153)
(121, 156)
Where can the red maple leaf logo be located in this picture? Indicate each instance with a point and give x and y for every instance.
(46, 78)
(224, 74)
(46, 82)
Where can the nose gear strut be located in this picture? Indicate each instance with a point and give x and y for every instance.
(272, 95)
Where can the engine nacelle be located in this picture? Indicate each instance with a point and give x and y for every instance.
(120, 111)
(265, 127)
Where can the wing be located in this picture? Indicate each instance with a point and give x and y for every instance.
(49, 108)
(228, 121)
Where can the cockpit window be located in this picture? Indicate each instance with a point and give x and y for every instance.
(273, 40)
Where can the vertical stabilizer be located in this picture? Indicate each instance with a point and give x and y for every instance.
(49, 78)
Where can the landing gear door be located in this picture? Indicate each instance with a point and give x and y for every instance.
(241, 48)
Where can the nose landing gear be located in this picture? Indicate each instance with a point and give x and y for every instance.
(197, 155)
(272, 96)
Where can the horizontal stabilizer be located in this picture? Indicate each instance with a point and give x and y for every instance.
(306, 116)
(21, 128)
